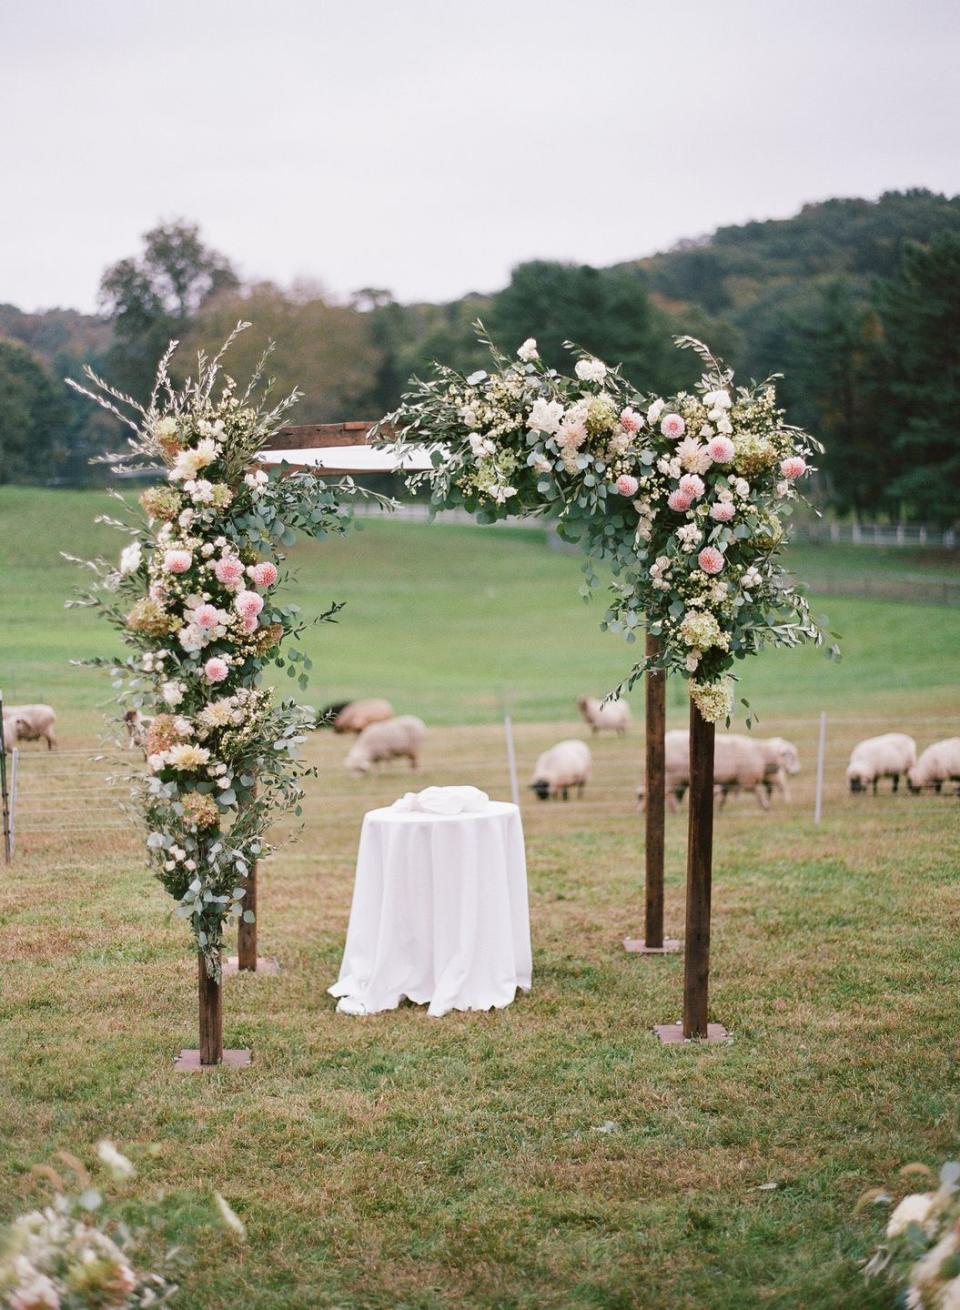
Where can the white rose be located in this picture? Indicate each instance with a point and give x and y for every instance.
(130, 558)
(186, 517)
(655, 410)
(724, 425)
(717, 400)
(590, 370)
(156, 762)
(911, 1210)
(545, 415)
(742, 487)
(528, 350)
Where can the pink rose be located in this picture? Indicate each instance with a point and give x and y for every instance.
(627, 485)
(794, 466)
(722, 511)
(691, 485)
(263, 574)
(630, 420)
(177, 561)
(250, 623)
(229, 571)
(710, 560)
(721, 450)
(672, 426)
(215, 670)
(206, 617)
(679, 501)
(248, 604)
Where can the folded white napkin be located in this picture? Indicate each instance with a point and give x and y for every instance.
(444, 800)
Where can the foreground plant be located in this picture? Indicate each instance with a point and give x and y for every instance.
(194, 598)
(685, 499)
(921, 1255)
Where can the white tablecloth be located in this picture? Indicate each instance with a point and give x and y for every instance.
(439, 911)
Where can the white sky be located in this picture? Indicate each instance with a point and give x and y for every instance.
(428, 145)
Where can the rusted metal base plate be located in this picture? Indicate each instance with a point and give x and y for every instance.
(189, 1061)
(265, 964)
(637, 946)
(672, 1033)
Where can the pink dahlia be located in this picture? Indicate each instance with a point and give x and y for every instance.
(263, 574)
(248, 604)
(679, 501)
(229, 571)
(206, 617)
(672, 426)
(721, 450)
(627, 485)
(794, 466)
(722, 511)
(215, 670)
(710, 560)
(691, 485)
(630, 420)
(177, 561)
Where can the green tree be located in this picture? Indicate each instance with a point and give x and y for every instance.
(920, 313)
(152, 297)
(32, 417)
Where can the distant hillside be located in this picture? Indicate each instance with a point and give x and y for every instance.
(55, 332)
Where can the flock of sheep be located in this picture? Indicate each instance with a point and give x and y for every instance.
(752, 764)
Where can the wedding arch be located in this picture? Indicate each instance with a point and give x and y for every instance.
(684, 500)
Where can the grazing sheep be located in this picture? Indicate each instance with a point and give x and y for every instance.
(614, 714)
(359, 714)
(938, 764)
(28, 723)
(738, 762)
(400, 738)
(328, 715)
(880, 757)
(781, 761)
(561, 767)
(137, 725)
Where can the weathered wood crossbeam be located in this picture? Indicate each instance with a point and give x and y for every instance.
(325, 436)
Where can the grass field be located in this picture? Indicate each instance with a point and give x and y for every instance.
(399, 1163)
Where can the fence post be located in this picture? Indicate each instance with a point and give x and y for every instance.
(4, 793)
(653, 941)
(821, 748)
(511, 759)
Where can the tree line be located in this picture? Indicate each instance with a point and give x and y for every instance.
(856, 302)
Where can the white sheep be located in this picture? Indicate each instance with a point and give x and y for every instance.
(886, 756)
(561, 767)
(28, 723)
(938, 764)
(613, 715)
(737, 762)
(400, 738)
(359, 714)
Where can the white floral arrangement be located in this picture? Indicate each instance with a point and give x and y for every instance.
(921, 1255)
(194, 597)
(70, 1256)
(686, 499)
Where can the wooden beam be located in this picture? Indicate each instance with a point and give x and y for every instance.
(321, 436)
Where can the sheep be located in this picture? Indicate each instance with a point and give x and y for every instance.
(880, 757)
(28, 723)
(614, 714)
(938, 764)
(400, 738)
(781, 760)
(359, 714)
(561, 767)
(737, 762)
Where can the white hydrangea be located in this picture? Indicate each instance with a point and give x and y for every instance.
(590, 370)
(545, 415)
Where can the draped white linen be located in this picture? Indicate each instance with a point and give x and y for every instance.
(440, 912)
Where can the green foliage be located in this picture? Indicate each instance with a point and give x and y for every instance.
(32, 417)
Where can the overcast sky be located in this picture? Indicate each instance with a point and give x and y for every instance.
(426, 146)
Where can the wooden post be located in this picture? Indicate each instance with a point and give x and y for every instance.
(4, 793)
(821, 750)
(246, 931)
(211, 1016)
(653, 942)
(696, 960)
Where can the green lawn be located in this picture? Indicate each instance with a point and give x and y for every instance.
(401, 1163)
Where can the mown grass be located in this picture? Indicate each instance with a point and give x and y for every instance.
(398, 1162)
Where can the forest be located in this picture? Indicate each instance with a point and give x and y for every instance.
(855, 302)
